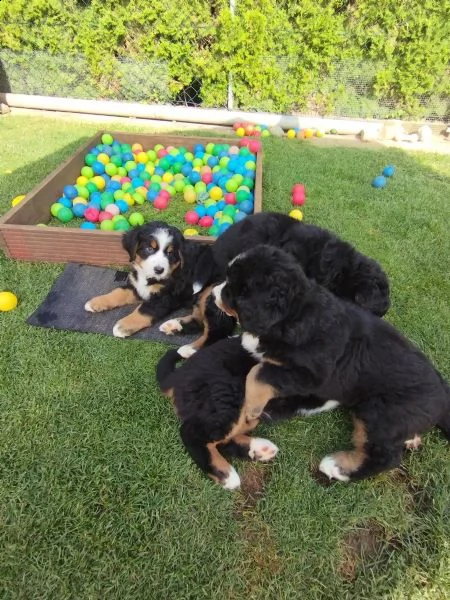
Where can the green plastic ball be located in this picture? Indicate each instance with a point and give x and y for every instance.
(116, 160)
(229, 210)
(138, 198)
(178, 185)
(83, 192)
(151, 156)
(210, 148)
(111, 169)
(125, 148)
(122, 225)
(91, 187)
(130, 165)
(90, 159)
(87, 172)
(107, 225)
(231, 185)
(64, 214)
(107, 139)
(213, 230)
(136, 219)
(248, 182)
(189, 157)
(121, 171)
(242, 195)
(117, 218)
(55, 207)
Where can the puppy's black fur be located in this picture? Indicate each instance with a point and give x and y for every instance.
(328, 260)
(312, 343)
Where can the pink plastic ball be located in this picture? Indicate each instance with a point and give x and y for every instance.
(164, 194)
(298, 187)
(91, 214)
(105, 216)
(147, 183)
(254, 146)
(207, 177)
(206, 221)
(125, 180)
(233, 150)
(230, 198)
(298, 200)
(113, 209)
(191, 217)
(161, 203)
(244, 142)
(161, 153)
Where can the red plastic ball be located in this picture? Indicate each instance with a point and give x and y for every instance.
(147, 183)
(161, 153)
(91, 214)
(298, 187)
(164, 194)
(237, 125)
(230, 198)
(244, 142)
(298, 200)
(161, 203)
(206, 221)
(191, 217)
(257, 133)
(104, 216)
(124, 180)
(254, 146)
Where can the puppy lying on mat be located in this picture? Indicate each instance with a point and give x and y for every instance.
(309, 342)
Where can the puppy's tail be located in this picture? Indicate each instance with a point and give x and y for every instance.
(165, 368)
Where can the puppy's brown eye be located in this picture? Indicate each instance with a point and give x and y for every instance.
(169, 249)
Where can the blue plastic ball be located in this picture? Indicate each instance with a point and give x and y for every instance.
(199, 148)
(246, 206)
(95, 151)
(194, 177)
(65, 202)
(221, 205)
(95, 197)
(211, 210)
(127, 156)
(79, 210)
(70, 192)
(98, 168)
(200, 210)
(186, 170)
(224, 227)
(159, 171)
(388, 171)
(137, 182)
(133, 173)
(151, 195)
(140, 168)
(379, 181)
(88, 225)
(113, 186)
(122, 206)
(239, 216)
(213, 161)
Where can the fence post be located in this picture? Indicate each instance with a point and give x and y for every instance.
(230, 97)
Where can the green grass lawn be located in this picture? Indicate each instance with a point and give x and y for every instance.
(98, 498)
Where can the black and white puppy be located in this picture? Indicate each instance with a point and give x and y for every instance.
(332, 262)
(166, 271)
(309, 342)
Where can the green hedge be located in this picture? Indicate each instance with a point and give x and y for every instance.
(282, 55)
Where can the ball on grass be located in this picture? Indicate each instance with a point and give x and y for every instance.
(296, 214)
(190, 231)
(136, 219)
(17, 199)
(388, 171)
(88, 225)
(379, 182)
(8, 301)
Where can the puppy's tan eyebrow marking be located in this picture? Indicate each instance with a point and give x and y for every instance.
(169, 248)
(154, 244)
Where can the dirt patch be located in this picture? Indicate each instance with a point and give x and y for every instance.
(419, 499)
(362, 545)
(253, 482)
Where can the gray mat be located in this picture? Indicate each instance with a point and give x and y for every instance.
(63, 308)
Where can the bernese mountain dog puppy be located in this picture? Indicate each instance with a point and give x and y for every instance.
(208, 391)
(166, 272)
(310, 342)
(330, 261)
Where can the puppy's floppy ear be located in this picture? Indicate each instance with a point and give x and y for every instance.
(130, 242)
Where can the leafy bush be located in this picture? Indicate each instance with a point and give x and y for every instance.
(281, 55)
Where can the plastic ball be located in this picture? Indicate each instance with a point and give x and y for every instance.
(231, 185)
(122, 225)
(91, 214)
(240, 131)
(105, 216)
(107, 139)
(161, 203)
(239, 216)
(230, 198)
(64, 214)
(190, 196)
(90, 159)
(246, 206)
(99, 182)
(112, 209)
(107, 225)
(136, 219)
(111, 169)
(298, 187)
(88, 225)
(190, 231)
(206, 221)
(296, 214)
(122, 206)
(191, 217)
(213, 230)
(298, 200)
(215, 193)
(87, 172)
(291, 133)
(70, 191)
(379, 182)
(308, 133)
(136, 147)
(98, 167)
(79, 210)
(8, 301)
(242, 195)
(388, 171)
(65, 202)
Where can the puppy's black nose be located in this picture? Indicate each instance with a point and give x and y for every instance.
(159, 270)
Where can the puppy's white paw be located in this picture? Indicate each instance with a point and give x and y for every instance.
(331, 469)
(171, 326)
(119, 331)
(414, 443)
(88, 307)
(232, 481)
(186, 351)
(262, 450)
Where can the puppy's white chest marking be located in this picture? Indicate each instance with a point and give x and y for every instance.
(250, 343)
(141, 286)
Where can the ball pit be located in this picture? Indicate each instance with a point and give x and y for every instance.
(215, 183)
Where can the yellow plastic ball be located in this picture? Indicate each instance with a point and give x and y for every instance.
(291, 134)
(103, 158)
(129, 199)
(8, 301)
(136, 148)
(99, 182)
(82, 180)
(319, 133)
(150, 168)
(141, 157)
(17, 199)
(296, 214)
(240, 131)
(190, 196)
(308, 133)
(167, 177)
(190, 231)
(79, 200)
